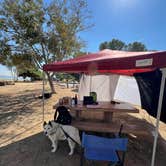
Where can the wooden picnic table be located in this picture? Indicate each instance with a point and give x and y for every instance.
(107, 125)
(106, 107)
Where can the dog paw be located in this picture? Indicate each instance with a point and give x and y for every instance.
(71, 153)
(53, 150)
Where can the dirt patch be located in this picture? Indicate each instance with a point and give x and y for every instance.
(22, 141)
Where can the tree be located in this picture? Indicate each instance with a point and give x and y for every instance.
(45, 31)
(34, 74)
(67, 77)
(6, 60)
(136, 46)
(103, 46)
(114, 44)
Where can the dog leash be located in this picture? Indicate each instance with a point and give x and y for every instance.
(68, 136)
(53, 132)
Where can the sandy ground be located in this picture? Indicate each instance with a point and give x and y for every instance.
(22, 141)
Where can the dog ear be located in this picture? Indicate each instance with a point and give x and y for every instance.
(44, 123)
(50, 123)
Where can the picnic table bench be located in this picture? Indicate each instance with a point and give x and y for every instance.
(112, 127)
(107, 125)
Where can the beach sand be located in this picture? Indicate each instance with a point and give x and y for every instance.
(22, 141)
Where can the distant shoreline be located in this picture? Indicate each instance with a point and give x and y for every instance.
(9, 78)
(6, 78)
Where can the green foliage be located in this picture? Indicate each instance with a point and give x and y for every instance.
(76, 76)
(116, 44)
(80, 53)
(136, 46)
(67, 76)
(34, 74)
(46, 30)
(37, 32)
(103, 46)
(59, 76)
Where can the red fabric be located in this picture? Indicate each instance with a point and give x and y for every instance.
(107, 61)
(127, 72)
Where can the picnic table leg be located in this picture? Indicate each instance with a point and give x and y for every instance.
(78, 112)
(108, 116)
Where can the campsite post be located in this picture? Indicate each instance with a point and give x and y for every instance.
(43, 94)
(158, 114)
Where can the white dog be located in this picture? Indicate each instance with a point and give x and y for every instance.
(56, 131)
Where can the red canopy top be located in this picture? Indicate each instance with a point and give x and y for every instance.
(106, 61)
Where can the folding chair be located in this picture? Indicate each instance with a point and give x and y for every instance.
(103, 149)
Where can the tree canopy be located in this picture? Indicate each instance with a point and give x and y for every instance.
(116, 44)
(38, 32)
(136, 46)
(34, 74)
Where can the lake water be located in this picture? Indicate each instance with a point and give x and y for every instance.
(9, 78)
(5, 77)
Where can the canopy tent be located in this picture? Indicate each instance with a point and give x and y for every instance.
(121, 62)
(108, 61)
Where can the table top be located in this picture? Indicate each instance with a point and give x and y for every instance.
(103, 107)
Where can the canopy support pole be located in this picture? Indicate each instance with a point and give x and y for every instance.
(90, 89)
(158, 114)
(43, 91)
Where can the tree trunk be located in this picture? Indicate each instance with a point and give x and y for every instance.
(67, 82)
(50, 83)
(11, 70)
(15, 74)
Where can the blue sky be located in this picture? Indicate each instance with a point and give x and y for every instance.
(127, 20)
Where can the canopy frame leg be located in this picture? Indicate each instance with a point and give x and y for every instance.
(43, 92)
(90, 88)
(158, 114)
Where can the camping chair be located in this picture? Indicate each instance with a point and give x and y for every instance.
(103, 149)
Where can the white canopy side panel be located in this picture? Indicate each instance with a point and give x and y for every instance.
(127, 90)
(84, 86)
(103, 85)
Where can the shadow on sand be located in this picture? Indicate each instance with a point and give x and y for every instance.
(36, 151)
(13, 106)
(75, 90)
